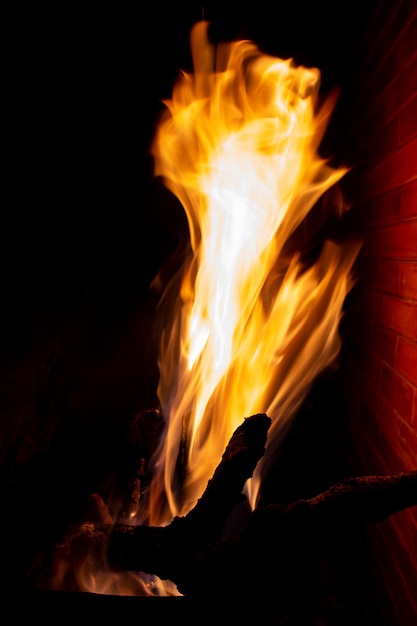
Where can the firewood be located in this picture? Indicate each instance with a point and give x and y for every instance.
(280, 553)
(280, 564)
(190, 551)
(167, 550)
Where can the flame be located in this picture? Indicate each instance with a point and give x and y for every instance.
(251, 322)
(252, 325)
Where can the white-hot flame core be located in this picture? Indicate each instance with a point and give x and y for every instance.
(252, 328)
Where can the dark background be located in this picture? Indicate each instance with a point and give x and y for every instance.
(81, 212)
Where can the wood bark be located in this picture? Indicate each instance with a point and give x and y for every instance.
(298, 563)
(191, 551)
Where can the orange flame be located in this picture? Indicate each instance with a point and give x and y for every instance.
(252, 327)
(252, 324)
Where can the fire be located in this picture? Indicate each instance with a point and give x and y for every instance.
(252, 325)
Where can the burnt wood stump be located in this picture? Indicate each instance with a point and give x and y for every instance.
(275, 542)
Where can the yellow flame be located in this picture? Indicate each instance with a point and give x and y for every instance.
(252, 328)
(252, 324)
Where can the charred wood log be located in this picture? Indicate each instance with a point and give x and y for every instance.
(163, 551)
(285, 535)
(168, 551)
(282, 564)
(191, 552)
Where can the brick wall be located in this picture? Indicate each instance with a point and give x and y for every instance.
(380, 348)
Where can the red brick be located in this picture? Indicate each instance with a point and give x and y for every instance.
(408, 121)
(378, 409)
(393, 314)
(397, 390)
(400, 27)
(404, 552)
(368, 453)
(388, 605)
(400, 316)
(408, 200)
(406, 45)
(389, 461)
(368, 431)
(382, 440)
(399, 241)
(377, 406)
(395, 608)
(392, 459)
(377, 32)
(407, 280)
(406, 359)
(402, 89)
(379, 275)
(392, 277)
(395, 566)
(405, 523)
(414, 413)
(384, 341)
(399, 168)
(406, 443)
(387, 38)
(388, 92)
(395, 439)
(391, 207)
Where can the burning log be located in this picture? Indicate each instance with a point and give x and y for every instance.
(170, 551)
(277, 564)
(191, 550)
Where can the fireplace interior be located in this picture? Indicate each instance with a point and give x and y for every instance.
(87, 227)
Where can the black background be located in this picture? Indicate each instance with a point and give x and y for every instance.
(84, 85)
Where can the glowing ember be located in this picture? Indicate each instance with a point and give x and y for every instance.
(252, 326)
